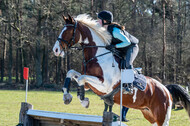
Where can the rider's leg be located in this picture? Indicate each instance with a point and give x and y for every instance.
(131, 54)
(130, 57)
(124, 113)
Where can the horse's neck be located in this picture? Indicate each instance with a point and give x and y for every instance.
(90, 38)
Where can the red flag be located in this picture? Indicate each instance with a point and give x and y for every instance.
(25, 73)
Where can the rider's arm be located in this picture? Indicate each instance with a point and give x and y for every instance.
(117, 33)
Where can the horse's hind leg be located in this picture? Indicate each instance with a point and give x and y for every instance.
(148, 115)
(165, 122)
(162, 113)
(151, 118)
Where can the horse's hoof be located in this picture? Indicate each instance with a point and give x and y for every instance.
(67, 98)
(85, 103)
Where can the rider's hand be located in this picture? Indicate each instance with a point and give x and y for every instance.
(110, 47)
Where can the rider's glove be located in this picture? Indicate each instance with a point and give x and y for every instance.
(110, 47)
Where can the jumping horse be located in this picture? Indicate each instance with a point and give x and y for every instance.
(99, 75)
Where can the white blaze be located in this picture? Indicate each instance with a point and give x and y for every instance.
(56, 48)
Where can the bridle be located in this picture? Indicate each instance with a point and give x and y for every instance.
(72, 42)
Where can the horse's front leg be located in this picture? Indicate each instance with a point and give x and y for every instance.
(71, 74)
(81, 80)
(81, 96)
(67, 97)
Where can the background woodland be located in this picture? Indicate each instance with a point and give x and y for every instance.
(29, 29)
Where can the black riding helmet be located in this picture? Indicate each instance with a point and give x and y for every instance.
(105, 15)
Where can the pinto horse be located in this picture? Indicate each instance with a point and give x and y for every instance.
(101, 77)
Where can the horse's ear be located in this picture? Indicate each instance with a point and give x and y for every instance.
(71, 19)
(64, 17)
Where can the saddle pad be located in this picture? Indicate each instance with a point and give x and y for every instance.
(140, 82)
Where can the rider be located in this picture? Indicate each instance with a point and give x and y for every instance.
(119, 41)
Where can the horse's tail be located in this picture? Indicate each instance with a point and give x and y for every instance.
(180, 94)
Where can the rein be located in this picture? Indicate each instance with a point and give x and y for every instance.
(115, 52)
(95, 57)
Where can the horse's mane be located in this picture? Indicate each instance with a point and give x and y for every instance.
(93, 24)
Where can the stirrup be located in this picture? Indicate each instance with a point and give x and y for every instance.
(128, 88)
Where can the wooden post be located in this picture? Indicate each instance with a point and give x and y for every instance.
(107, 119)
(24, 119)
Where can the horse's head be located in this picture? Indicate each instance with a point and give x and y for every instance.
(67, 37)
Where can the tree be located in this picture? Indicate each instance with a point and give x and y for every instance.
(10, 42)
(164, 42)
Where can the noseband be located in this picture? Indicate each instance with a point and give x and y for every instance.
(73, 37)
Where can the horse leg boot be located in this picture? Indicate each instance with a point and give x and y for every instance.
(107, 116)
(71, 74)
(80, 94)
(67, 98)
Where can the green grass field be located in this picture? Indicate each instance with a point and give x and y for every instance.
(10, 102)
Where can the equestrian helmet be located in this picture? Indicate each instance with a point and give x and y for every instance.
(106, 15)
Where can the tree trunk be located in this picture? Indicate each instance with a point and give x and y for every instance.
(172, 74)
(21, 65)
(153, 17)
(10, 47)
(92, 8)
(178, 43)
(38, 64)
(145, 57)
(16, 67)
(150, 66)
(58, 70)
(103, 4)
(18, 51)
(134, 6)
(3, 57)
(38, 51)
(68, 61)
(43, 65)
(164, 43)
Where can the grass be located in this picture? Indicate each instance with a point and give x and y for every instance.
(10, 102)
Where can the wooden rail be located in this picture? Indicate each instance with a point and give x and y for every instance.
(30, 117)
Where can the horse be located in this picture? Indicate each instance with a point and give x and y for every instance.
(99, 74)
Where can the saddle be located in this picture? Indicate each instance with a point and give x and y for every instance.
(140, 81)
